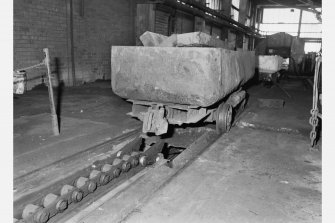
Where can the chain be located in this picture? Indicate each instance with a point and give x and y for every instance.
(314, 120)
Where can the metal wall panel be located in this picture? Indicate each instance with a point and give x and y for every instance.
(184, 23)
(162, 22)
(199, 76)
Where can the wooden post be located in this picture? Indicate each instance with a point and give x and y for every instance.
(54, 120)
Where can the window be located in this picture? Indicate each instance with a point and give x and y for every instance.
(249, 9)
(235, 9)
(247, 22)
(269, 29)
(280, 15)
(248, 19)
(310, 31)
(310, 26)
(287, 20)
(312, 47)
(236, 3)
(234, 14)
(309, 17)
(214, 4)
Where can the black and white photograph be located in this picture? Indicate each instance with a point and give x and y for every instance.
(167, 111)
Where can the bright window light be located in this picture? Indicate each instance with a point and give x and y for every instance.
(236, 3)
(280, 15)
(269, 29)
(309, 17)
(285, 20)
(312, 47)
(311, 31)
(234, 13)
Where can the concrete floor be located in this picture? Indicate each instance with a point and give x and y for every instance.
(246, 176)
(90, 115)
(261, 171)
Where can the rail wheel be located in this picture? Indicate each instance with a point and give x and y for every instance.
(224, 116)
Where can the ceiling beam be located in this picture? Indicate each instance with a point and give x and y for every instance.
(295, 6)
(310, 3)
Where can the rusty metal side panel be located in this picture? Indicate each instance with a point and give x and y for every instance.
(186, 75)
(237, 68)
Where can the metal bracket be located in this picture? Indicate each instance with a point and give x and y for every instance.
(154, 120)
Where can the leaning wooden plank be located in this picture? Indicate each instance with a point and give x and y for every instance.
(152, 39)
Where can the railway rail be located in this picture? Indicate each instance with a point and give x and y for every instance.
(43, 195)
(117, 160)
(41, 204)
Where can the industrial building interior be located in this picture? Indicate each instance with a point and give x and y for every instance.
(167, 111)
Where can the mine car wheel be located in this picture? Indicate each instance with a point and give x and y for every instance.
(224, 118)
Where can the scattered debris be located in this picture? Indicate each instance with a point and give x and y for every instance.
(253, 212)
(284, 182)
(243, 124)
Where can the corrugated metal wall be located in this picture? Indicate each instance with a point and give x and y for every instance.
(162, 22)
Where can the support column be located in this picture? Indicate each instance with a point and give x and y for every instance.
(299, 26)
(70, 44)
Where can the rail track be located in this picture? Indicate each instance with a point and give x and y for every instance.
(47, 194)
